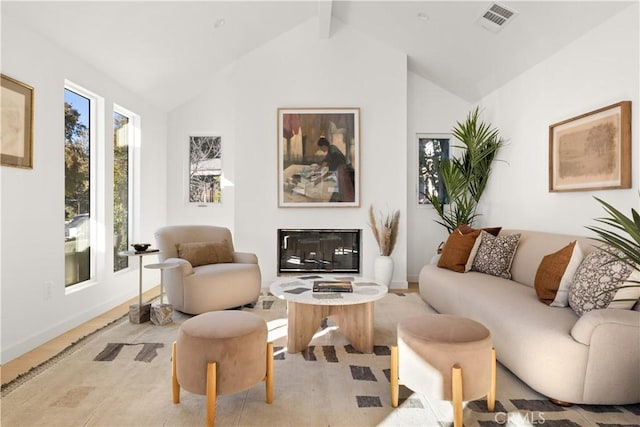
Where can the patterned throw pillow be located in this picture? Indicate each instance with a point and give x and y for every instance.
(555, 273)
(598, 274)
(495, 254)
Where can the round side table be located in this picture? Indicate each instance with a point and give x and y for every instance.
(161, 313)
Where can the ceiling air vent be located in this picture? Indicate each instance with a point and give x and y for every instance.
(496, 17)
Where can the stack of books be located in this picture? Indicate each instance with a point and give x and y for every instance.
(332, 286)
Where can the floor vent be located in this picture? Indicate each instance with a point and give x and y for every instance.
(496, 17)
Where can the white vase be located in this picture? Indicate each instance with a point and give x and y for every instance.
(383, 270)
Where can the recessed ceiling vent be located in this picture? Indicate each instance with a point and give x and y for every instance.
(496, 17)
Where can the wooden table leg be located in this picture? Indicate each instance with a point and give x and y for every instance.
(356, 323)
(303, 322)
(354, 320)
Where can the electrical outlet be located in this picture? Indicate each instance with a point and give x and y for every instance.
(48, 289)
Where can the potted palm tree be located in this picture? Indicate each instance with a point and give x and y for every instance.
(465, 177)
(624, 246)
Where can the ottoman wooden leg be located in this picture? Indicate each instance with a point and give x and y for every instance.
(491, 397)
(394, 376)
(174, 376)
(211, 393)
(456, 394)
(269, 377)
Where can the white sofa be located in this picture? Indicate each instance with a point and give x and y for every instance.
(593, 359)
(209, 287)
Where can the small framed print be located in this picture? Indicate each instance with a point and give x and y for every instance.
(16, 148)
(205, 170)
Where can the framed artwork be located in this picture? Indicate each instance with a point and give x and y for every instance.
(205, 169)
(591, 151)
(318, 157)
(432, 150)
(16, 147)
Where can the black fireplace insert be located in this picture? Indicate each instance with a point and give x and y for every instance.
(319, 251)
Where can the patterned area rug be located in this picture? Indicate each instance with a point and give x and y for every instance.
(121, 376)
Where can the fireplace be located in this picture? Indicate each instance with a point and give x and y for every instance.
(319, 251)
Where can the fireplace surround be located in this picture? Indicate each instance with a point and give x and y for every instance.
(319, 251)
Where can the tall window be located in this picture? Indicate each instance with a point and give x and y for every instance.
(77, 194)
(432, 150)
(122, 136)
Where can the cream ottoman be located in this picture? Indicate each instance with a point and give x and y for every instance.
(221, 352)
(446, 357)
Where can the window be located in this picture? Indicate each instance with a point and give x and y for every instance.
(432, 150)
(78, 206)
(205, 170)
(122, 148)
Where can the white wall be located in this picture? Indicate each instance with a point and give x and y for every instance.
(431, 110)
(32, 200)
(599, 69)
(298, 69)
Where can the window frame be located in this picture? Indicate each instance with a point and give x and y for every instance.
(96, 181)
(133, 127)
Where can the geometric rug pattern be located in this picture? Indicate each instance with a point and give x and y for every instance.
(121, 376)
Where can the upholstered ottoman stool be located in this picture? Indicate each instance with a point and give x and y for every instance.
(435, 352)
(221, 352)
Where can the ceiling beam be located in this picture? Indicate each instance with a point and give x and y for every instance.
(324, 18)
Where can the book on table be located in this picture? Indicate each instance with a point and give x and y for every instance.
(332, 286)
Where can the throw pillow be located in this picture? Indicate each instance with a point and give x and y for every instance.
(456, 250)
(495, 254)
(555, 274)
(595, 280)
(458, 246)
(202, 253)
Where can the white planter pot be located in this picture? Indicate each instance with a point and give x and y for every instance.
(383, 270)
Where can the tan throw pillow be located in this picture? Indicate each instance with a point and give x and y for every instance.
(555, 274)
(495, 254)
(456, 250)
(202, 253)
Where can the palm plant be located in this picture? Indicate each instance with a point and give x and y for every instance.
(465, 177)
(626, 249)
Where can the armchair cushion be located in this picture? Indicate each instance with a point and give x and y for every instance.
(202, 253)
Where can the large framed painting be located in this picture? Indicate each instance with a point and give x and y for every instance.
(205, 170)
(591, 151)
(433, 149)
(318, 157)
(16, 146)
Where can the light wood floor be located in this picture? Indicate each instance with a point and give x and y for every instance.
(22, 364)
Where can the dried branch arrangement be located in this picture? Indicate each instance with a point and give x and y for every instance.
(385, 229)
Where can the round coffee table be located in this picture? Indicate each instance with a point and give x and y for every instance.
(352, 311)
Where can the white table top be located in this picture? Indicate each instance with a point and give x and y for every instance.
(299, 289)
(136, 253)
(162, 265)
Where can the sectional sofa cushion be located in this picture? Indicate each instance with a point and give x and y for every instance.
(555, 274)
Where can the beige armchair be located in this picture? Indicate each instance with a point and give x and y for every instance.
(212, 275)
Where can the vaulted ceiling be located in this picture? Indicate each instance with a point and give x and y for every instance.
(166, 50)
